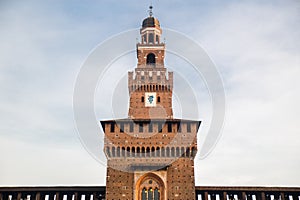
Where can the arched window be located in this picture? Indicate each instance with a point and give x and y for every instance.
(143, 99)
(133, 151)
(128, 151)
(151, 188)
(177, 152)
(156, 194)
(163, 153)
(144, 194)
(113, 151)
(123, 151)
(150, 193)
(150, 59)
(157, 151)
(148, 151)
(158, 99)
(108, 151)
(152, 151)
(138, 150)
(168, 152)
(194, 151)
(151, 38)
(118, 152)
(182, 152)
(187, 152)
(173, 152)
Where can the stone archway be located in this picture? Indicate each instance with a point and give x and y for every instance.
(150, 187)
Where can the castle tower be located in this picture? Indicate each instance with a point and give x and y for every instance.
(151, 88)
(150, 155)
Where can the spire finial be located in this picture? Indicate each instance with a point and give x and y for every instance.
(150, 10)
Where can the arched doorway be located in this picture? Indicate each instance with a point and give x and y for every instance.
(150, 187)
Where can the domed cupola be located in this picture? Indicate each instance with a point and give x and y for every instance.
(150, 22)
(150, 31)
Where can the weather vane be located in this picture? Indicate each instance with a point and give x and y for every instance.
(150, 10)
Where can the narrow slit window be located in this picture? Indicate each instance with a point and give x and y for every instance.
(188, 127)
(169, 127)
(122, 128)
(178, 127)
(150, 127)
(159, 127)
(141, 127)
(131, 127)
(112, 127)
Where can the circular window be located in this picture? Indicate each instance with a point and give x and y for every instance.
(150, 182)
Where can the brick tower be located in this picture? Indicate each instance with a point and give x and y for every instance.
(150, 155)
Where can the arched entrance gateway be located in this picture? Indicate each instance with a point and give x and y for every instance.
(150, 187)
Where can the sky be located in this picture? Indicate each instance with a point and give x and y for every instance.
(253, 44)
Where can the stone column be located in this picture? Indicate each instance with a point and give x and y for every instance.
(57, 196)
(263, 196)
(205, 196)
(224, 196)
(242, 196)
(38, 196)
(19, 195)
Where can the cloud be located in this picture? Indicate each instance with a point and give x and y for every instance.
(39, 62)
(255, 48)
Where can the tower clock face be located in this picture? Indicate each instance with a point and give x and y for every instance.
(150, 99)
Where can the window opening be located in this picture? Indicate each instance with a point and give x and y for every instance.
(150, 59)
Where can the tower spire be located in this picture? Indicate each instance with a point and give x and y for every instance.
(150, 10)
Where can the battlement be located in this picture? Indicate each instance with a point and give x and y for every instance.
(150, 138)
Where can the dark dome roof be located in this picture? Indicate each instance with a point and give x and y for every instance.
(150, 22)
